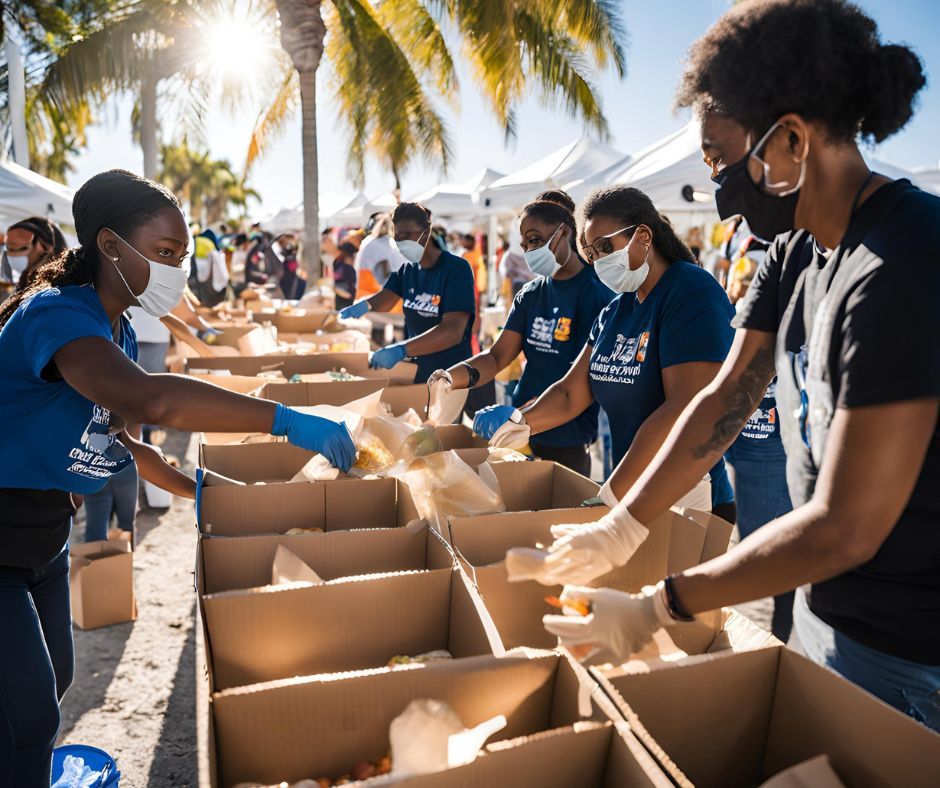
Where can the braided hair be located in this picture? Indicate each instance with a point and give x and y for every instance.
(116, 199)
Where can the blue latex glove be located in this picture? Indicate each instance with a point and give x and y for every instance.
(313, 433)
(356, 310)
(388, 357)
(208, 335)
(489, 419)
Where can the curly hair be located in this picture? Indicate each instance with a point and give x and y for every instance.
(116, 199)
(630, 206)
(821, 59)
(412, 212)
(552, 212)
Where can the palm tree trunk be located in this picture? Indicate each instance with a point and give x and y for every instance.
(148, 124)
(308, 113)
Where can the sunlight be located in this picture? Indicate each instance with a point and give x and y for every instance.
(233, 50)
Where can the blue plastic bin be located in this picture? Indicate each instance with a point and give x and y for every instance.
(94, 758)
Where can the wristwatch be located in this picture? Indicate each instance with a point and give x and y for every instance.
(473, 373)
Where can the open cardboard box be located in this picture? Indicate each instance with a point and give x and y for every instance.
(315, 363)
(676, 542)
(321, 725)
(737, 719)
(352, 623)
(339, 505)
(297, 321)
(283, 461)
(101, 583)
(400, 399)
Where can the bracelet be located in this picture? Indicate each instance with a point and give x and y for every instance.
(473, 373)
(675, 608)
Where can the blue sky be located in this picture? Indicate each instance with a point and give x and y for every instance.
(639, 110)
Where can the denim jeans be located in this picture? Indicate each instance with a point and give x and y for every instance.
(119, 495)
(36, 666)
(910, 687)
(761, 494)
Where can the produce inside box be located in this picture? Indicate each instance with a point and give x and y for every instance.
(676, 541)
(735, 720)
(340, 505)
(368, 621)
(311, 739)
(283, 461)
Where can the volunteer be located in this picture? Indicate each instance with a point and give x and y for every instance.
(653, 348)
(549, 322)
(844, 308)
(436, 288)
(68, 386)
(30, 243)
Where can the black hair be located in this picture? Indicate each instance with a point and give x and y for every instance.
(117, 200)
(348, 248)
(559, 196)
(630, 206)
(552, 212)
(821, 59)
(412, 212)
(45, 230)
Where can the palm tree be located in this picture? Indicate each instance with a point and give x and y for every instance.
(161, 49)
(385, 55)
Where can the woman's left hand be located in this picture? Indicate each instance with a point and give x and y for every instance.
(388, 357)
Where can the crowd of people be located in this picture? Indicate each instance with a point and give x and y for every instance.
(803, 363)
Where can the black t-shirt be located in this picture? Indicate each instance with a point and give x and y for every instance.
(884, 348)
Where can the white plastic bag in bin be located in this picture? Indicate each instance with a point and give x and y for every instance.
(75, 774)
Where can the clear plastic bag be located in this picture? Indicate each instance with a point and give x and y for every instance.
(442, 485)
(75, 774)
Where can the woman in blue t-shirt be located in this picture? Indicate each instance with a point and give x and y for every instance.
(549, 322)
(652, 349)
(70, 393)
(437, 291)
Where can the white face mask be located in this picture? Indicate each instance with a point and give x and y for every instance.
(412, 251)
(164, 287)
(615, 272)
(18, 263)
(542, 261)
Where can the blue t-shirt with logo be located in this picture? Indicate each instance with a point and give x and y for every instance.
(554, 318)
(427, 295)
(55, 439)
(685, 318)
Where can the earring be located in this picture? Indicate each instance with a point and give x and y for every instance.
(115, 259)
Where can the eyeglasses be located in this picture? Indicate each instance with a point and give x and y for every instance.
(799, 362)
(602, 246)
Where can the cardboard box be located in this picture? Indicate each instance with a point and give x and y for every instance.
(321, 725)
(282, 461)
(297, 321)
(353, 623)
(340, 505)
(400, 399)
(101, 583)
(237, 563)
(675, 542)
(287, 364)
(738, 719)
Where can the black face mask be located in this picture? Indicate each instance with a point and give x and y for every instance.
(766, 215)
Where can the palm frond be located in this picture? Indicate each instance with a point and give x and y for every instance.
(272, 118)
(596, 25)
(418, 34)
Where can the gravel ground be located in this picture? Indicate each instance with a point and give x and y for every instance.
(135, 688)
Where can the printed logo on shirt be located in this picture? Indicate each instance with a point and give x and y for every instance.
(425, 304)
(563, 329)
(624, 363)
(100, 453)
(763, 422)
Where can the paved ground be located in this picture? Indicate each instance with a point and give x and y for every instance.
(135, 685)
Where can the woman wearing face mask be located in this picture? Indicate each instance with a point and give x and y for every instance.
(654, 347)
(833, 313)
(30, 243)
(436, 288)
(549, 322)
(69, 390)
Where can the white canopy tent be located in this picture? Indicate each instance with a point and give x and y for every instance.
(928, 178)
(456, 200)
(26, 193)
(565, 167)
(285, 220)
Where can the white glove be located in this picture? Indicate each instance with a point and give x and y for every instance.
(582, 553)
(608, 496)
(618, 626)
(513, 434)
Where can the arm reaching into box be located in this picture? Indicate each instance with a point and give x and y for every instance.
(487, 364)
(153, 467)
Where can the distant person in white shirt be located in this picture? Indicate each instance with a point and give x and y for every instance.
(377, 259)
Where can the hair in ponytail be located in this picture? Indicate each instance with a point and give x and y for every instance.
(116, 199)
(553, 212)
(45, 230)
(630, 206)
